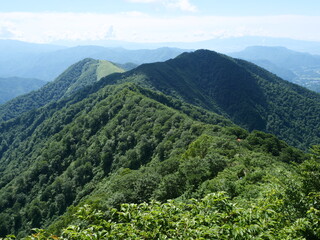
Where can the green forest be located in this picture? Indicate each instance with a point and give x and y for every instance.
(156, 153)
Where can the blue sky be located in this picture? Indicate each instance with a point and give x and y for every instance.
(208, 7)
(157, 20)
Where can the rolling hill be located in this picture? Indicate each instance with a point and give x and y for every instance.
(13, 87)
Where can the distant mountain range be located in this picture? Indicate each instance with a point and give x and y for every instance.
(300, 68)
(46, 62)
(14, 86)
(222, 44)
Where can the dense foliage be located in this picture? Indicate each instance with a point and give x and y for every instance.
(94, 148)
(49, 158)
(215, 216)
(284, 209)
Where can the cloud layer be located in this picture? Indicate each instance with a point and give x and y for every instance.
(139, 27)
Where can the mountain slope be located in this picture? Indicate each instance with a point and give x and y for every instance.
(76, 77)
(13, 87)
(304, 67)
(88, 138)
(250, 96)
(121, 144)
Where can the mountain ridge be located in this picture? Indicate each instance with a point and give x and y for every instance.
(234, 88)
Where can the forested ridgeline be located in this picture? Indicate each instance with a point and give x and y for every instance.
(241, 91)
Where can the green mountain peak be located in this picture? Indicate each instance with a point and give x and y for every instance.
(75, 78)
(245, 93)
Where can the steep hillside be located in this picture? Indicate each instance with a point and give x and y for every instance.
(117, 144)
(304, 67)
(76, 77)
(13, 87)
(250, 96)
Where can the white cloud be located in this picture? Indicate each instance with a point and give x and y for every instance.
(139, 27)
(182, 5)
(7, 29)
(6, 32)
(110, 34)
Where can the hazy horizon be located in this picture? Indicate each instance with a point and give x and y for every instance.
(157, 21)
